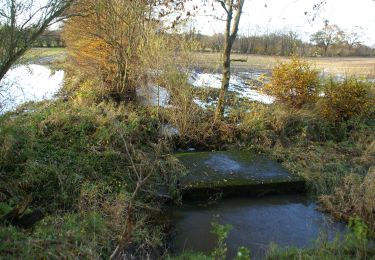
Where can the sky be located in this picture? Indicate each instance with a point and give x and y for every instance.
(269, 15)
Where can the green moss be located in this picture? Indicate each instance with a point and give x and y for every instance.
(230, 169)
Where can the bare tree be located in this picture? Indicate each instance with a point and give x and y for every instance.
(233, 11)
(21, 22)
(326, 37)
(352, 38)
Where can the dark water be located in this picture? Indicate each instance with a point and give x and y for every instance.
(285, 220)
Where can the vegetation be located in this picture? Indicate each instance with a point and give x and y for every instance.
(220, 251)
(87, 175)
(330, 41)
(233, 11)
(92, 170)
(334, 153)
(343, 100)
(294, 84)
(354, 245)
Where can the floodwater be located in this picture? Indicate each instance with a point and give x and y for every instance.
(244, 84)
(288, 220)
(25, 83)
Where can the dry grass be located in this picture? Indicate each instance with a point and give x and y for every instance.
(348, 65)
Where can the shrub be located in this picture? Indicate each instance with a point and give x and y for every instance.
(294, 83)
(343, 100)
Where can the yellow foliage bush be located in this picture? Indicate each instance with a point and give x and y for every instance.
(342, 100)
(294, 83)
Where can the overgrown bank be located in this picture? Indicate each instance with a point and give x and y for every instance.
(93, 171)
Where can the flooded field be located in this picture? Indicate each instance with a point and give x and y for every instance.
(35, 82)
(25, 83)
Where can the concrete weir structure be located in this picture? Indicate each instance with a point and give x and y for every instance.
(234, 173)
(259, 198)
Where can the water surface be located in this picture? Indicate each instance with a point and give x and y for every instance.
(289, 220)
(25, 83)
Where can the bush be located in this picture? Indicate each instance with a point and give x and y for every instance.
(266, 125)
(294, 83)
(346, 99)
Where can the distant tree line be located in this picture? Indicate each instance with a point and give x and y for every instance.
(329, 41)
(50, 39)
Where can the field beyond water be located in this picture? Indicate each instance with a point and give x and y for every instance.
(345, 66)
(360, 66)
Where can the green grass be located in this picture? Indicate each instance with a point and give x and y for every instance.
(44, 55)
(80, 164)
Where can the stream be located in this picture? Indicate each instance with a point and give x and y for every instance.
(287, 220)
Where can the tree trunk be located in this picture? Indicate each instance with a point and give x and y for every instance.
(228, 43)
(226, 71)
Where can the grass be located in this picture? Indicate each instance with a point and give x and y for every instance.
(44, 56)
(94, 170)
(348, 66)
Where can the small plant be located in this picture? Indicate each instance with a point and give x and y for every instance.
(294, 83)
(243, 253)
(359, 228)
(221, 231)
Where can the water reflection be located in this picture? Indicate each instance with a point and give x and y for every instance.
(26, 83)
(284, 220)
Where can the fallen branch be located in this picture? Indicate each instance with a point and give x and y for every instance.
(239, 60)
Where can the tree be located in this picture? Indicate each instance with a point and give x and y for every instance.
(352, 38)
(112, 42)
(233, 11)
(326, 37)
(22, 22)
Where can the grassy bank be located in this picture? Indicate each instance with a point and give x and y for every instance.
(91, 172)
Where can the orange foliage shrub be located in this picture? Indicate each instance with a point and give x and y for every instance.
(109, 42)
(121, 44)
(294, 83)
